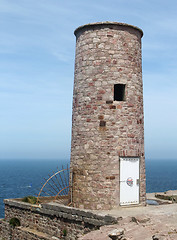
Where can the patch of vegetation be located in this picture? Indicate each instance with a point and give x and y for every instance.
(30, 199)
(14, 222)
(64, 232)
(172, 198)
(172, 232)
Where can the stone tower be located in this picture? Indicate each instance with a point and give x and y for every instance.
(107, 149)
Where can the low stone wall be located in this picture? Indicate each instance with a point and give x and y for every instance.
(53, 219)
(8, 232)
(4, 230)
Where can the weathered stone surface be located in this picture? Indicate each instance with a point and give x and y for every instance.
(103, 129)
(50, 219)
(110, 219)
(151, 222)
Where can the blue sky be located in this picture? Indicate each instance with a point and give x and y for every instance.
(37, 48)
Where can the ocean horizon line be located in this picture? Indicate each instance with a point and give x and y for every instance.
(34, 159)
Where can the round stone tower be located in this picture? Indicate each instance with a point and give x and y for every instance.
(107, 149)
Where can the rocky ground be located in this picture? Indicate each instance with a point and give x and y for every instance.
(153, 222)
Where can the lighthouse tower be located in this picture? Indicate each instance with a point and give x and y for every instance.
(107, 149)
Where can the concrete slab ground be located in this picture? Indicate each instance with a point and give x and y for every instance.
(158, 222)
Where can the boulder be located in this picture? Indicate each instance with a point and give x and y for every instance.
(116, 234)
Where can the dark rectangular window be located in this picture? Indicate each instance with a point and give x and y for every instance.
(102, 123)
(119, 92)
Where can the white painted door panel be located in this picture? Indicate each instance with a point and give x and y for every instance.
(129, 181)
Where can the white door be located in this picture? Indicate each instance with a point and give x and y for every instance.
(129, 181)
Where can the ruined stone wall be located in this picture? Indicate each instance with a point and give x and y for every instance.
(103, 129)
(49, 220)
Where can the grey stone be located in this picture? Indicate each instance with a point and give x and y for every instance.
(158, 237)
(116, 234)
(110, 220)
(93, 222)
(55, 238)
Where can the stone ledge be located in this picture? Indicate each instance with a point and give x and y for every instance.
(18, 204)
(65, 212)
(78, 214)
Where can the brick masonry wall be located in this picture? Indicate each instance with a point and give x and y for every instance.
(103, 130)
(4, 230)
(8, 232)
(50, 219)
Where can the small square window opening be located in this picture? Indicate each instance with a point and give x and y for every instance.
(119, 92)
(102, 123)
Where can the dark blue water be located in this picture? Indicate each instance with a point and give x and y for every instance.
(161, 175)
(23, 178)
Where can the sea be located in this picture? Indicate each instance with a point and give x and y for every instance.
(19, 178)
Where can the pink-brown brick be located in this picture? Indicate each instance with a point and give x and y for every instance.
(103, 129)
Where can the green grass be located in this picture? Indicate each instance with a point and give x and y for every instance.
(30, 199)
(64, 232)
(14, 222)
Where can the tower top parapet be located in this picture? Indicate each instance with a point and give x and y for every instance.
(105, 24)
